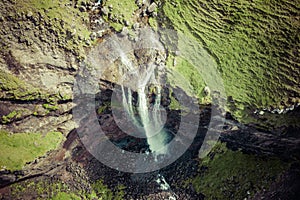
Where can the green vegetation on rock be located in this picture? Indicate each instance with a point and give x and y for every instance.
(7, 118)
(105, 193)
(234, 175)
(58, 190)
(174, 104)
(66, 22)
(183, 74)
(19, 148)
(50, 107)
(13, 88)
(121, 13)
(65, 196)
(153, 23)
(43, 189)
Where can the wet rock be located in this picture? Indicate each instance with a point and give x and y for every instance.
(105, 10)
(136, 26)
(7, 178)
(124, 31)
(126, 23)
(261, 112)
(93, 36)
(82, 9)
(29, 14)
(152, 7)
(206, 90)
(139, 3)
(100, 33)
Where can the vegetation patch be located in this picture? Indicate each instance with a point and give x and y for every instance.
(121, 13)
(102, 108)
(174, 104)
(18, 149)
(14, 114)
(65, 196)
(228, 174)
(57, 190)
(43, 189)
(13, 88)
(184, 75)
(267, 120)
(50, 107)
(104, 192)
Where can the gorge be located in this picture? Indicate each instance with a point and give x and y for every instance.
(149, 99)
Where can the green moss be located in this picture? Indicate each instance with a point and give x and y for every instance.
(9, 117)
(65, 196)
(267, 121)
(153, 23)
(259, 68)
(174, 104)
(184, 75)
(102, 109)
(50, 107)
(105, 193)
(18, 149)
(117, 26)
(65, 97)
(12, 87)
(121, 11)
(49, 189)
(235, 175)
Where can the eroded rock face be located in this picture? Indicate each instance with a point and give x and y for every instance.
(37, 68)
(35, 71)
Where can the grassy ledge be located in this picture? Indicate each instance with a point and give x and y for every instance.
(231, 174)
(18, 149)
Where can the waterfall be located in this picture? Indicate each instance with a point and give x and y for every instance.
(150, 120)
(156, 137)
(127, 103)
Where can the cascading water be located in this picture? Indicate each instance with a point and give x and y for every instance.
(150, 117)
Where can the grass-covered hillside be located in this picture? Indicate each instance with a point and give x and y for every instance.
(255, 43)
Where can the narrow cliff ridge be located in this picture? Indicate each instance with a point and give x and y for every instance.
(44, 46)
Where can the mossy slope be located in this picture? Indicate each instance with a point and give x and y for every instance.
(231, 174)
(254, 43)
